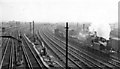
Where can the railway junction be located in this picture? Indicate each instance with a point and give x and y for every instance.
(41, 48)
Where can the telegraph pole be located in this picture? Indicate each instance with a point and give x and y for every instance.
(66, 45)
(77, 25)
(30, 26)
(83, 27)
(33, 33)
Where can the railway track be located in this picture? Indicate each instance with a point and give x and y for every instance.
(15, 48)
(29, 59)
(111, 60)
(101, 64)
(54, 52)
(76, 60)
(6, 56)
(11, 58)
(4, 42)
(31, 56)
(71, 58)
(59, 58)
(8, 51)
(10, 55)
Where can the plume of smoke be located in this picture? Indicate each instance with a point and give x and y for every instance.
(103, 29)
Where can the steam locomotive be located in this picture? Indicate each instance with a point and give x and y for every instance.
(103, 45)
(95, 42)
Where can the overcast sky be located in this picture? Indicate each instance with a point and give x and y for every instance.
(59, 10)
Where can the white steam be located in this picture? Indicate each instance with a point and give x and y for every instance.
(102, 29)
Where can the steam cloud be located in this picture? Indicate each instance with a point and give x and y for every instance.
(102, 29)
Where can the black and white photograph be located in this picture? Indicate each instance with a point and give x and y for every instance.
(59, 34)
